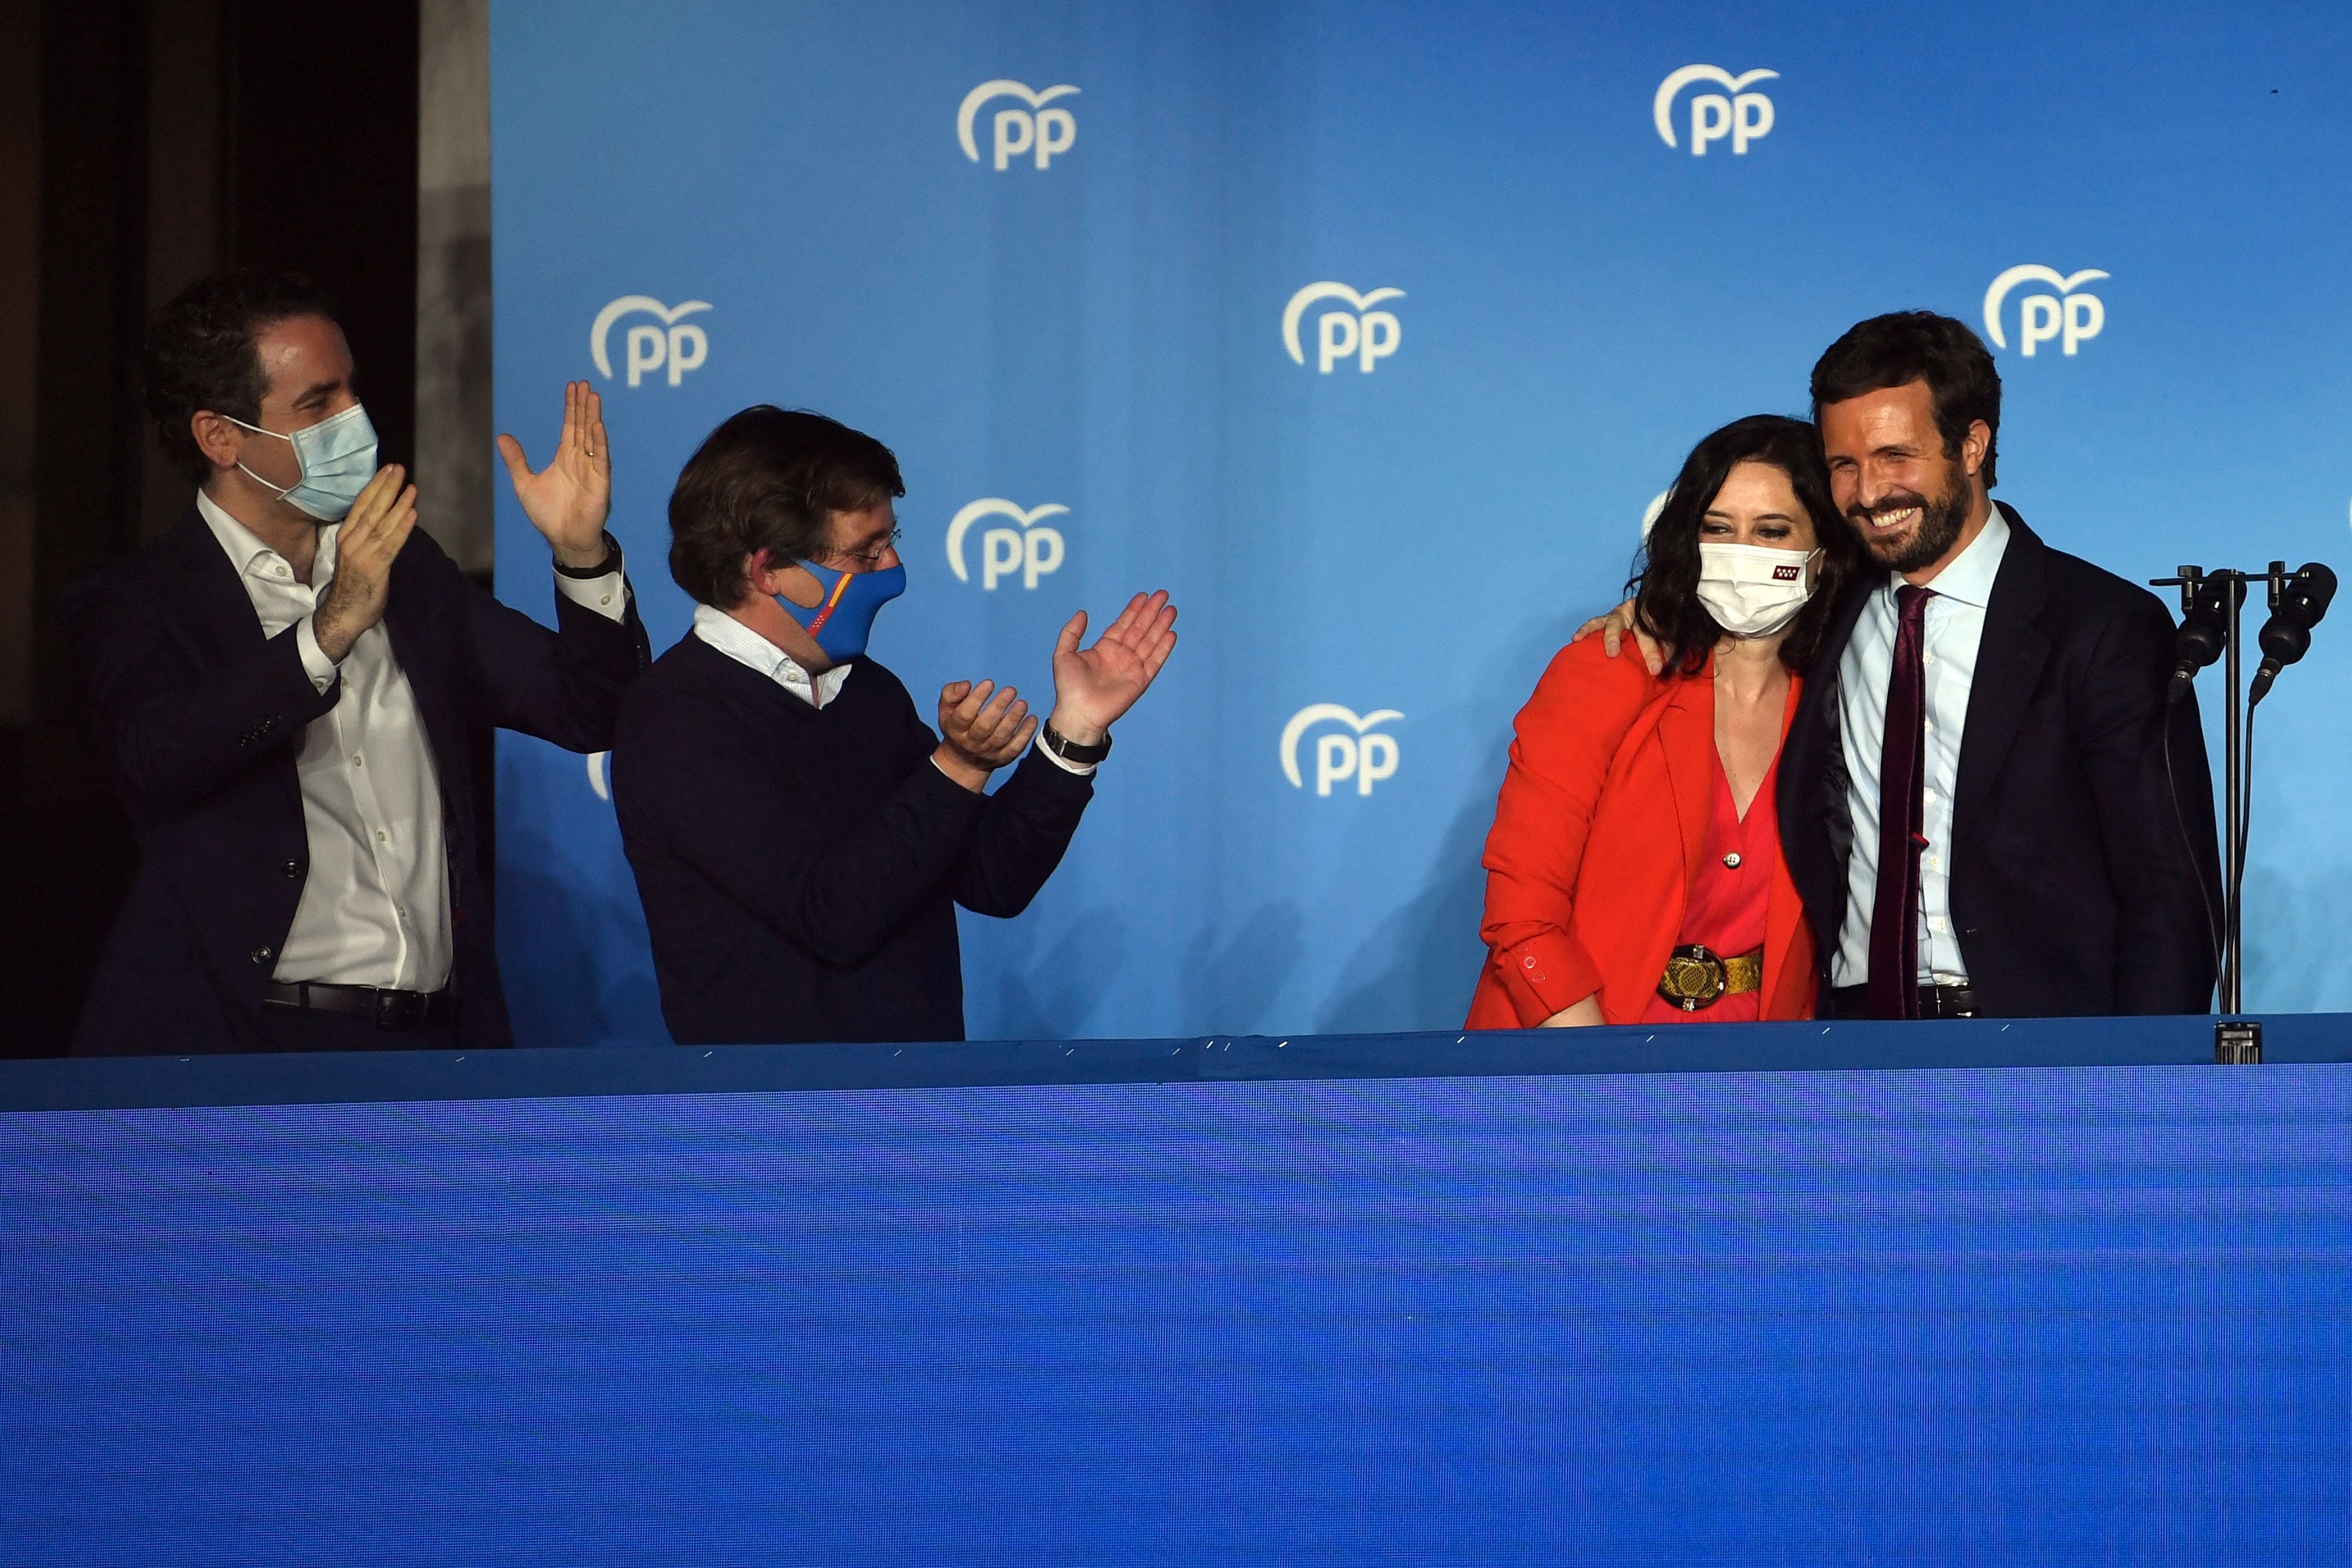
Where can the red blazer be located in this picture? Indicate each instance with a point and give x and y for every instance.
(1597, 839)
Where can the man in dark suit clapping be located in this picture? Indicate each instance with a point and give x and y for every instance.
(282, 685)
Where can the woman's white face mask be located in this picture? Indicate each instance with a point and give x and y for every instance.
(1754, 590)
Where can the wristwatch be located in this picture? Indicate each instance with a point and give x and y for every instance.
(611, 564)
(1070, 751)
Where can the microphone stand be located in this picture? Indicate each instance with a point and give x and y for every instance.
(2236, 1040)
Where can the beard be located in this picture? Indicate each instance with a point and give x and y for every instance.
(1939, 528)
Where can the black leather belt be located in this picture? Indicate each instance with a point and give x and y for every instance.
(386, 1009)
(1935, 1002)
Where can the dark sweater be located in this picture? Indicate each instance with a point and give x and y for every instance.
(799, 866)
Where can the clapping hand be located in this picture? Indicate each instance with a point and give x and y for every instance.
(1092, 687)
(983, 732)
(569, 499)
(365, 546)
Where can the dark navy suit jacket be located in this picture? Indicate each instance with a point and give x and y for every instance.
(196, 714)
(2078, 884)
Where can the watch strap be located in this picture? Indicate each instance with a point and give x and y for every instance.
(604, 568)
(1070, 751)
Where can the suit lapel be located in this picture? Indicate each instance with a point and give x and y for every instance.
(204, 596)
(1686, 735)
(1842, 625)
(203, 588)
(2009, 665)
(408, 620)
(1784, 910)
(1814, 823)
(1818, 710)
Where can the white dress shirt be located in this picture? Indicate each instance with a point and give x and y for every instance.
(749, 648)
(1954, 628)
(375, 908)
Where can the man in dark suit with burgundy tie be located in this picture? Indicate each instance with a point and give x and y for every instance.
(1976, 799)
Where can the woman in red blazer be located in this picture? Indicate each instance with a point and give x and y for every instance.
(1633, 873)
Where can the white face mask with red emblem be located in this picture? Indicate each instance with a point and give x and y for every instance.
(1754, 590)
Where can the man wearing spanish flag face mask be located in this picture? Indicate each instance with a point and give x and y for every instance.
(800, 837)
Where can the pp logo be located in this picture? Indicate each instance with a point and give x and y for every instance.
(1363, 334)
(1744, 117)
(1028, 550)
(1367, 758)
(2073, 318)
(677, 348)
(1656, 509)
(1043, 133)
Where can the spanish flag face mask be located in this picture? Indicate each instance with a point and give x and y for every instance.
(841, 620)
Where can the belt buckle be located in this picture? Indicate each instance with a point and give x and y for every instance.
(399, 1010)
(1694, 978)
(1933, 1005)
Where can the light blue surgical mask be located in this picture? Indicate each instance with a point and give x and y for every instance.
(337, 456)
(841, 621)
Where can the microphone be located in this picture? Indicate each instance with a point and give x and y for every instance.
(2287, 636)
(2204, 631)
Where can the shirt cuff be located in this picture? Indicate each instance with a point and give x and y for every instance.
(1084, 769)
(315, 662)
(957, 785)
(607, 595)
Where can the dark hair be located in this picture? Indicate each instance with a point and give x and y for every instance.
(768, 480)
(201, 354)
(1664, 586)
(1917, 345)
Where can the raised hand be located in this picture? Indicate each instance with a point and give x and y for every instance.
(983, 732)
(365, 546)
(569, 499)
(1092, 687)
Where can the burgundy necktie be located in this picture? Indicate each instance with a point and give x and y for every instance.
(1902, 818)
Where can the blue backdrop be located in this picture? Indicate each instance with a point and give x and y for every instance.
(1371, 332)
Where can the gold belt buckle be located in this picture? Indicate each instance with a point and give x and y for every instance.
(1694, 978)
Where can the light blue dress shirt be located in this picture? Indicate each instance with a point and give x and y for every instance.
(1955, 626)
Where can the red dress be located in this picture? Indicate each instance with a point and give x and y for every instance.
(1726, 908)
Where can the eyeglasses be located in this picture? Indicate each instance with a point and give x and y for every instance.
(870, 558)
